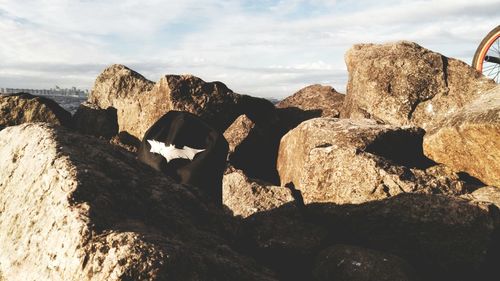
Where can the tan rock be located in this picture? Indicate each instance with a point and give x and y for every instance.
(488, 194)
(238, 132)
(77, 208)
(245, 196)
(21, 108)
(469, 140)
(403, 83)
(354, 161)
(323, 100)
(140, 102)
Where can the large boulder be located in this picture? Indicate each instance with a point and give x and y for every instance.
(469, 140)
(354, 161)
(403, 83)
(140, 102)
(77, 208)
(352, 263)
(21, 108)
(323, 101)
(442, 237)
(245, 196)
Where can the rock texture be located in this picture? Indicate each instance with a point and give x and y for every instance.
(21, 108)
(140, 102)
(442, 237)
(76, 208)
(92, 120)
(324, 101)
(245, 196)
(489, 194)
(354, 161)
(351, 263)
(403, 83)
(238, 132)
(469, 140)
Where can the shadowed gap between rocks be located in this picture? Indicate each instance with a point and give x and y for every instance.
(403, 148)
(258, 153)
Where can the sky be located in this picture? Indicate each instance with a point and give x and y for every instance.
(265, 48)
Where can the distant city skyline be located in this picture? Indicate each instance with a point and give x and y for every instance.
(266, 48)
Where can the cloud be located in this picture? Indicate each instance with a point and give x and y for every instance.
(261, 47)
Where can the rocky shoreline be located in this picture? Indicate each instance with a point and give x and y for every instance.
(398, 179)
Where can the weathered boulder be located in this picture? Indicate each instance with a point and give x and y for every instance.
(324, 101)
(77, 208)
(245, 196)
(91, 120)
(352, 263)
(403, 83)
(354, 161)
(21, 108)
(469, 140)
(442, 237)
(140, 102)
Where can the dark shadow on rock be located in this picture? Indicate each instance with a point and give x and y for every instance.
(444, 238)
(403, 147)
(92, 120)
(473, 183)
(258, 153)
(128, 139)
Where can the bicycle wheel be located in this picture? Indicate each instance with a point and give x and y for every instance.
(487, 57)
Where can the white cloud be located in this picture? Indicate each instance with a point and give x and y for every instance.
(268, 50)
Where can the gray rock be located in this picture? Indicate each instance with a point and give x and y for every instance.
(469, 140)
(354, 161)
(405, 84)
(77, 208)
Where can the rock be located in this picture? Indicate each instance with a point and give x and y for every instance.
(354, 161)
(122, 88)
(442, 237)
(245, 196)
(140, 102)
(403, 83)
(21, 108)
(254, 139)
(489, 194)
(77, 208)
(238, 132)
(352, 263)
(469, 140)
(92, 120)
(324, 101)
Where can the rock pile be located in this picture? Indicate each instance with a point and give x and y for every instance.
(396, 180)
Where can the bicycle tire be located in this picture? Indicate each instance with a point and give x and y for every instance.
(483, 48)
